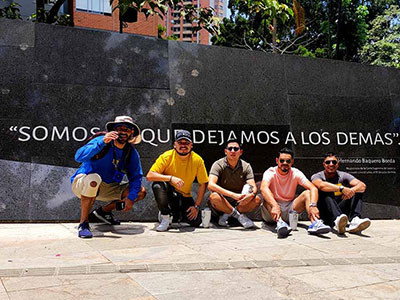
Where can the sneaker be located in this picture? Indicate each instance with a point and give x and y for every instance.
(340, 223)
(245, 221)
(84, 230)
(318, 227)
(106, 217)
(223, 220)
(282, 229)
(164, 224)
(358, 225)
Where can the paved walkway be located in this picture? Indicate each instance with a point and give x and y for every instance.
(133, 261)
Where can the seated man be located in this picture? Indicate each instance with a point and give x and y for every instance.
(174, 172)
(106, 159)
(228, 176)
(340, 195)
(278, 188)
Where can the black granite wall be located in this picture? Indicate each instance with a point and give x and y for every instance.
(60, 84)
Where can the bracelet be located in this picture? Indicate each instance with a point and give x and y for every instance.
(197, 207)
(170, 179)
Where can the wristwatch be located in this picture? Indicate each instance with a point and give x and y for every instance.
(341, 188)
(313, 204)
(197, 207)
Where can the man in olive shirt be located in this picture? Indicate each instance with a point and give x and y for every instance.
(234, 190)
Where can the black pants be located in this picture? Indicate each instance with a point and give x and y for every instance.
(331, 207)
(170, 202)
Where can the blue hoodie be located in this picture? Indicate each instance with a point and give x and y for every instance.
(105, 167)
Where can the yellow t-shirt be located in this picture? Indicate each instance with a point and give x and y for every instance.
(169, 163)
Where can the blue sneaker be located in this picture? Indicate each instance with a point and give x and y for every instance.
(84, 230)
(318, 227)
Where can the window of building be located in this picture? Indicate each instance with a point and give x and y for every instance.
(187, 35)
(95, 6)
(175, 29)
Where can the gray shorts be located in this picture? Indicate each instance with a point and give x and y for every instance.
(103, 191)
(285, 206)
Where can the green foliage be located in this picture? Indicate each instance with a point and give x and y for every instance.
(162, 32)
(251, 24)
(383, 40)
(11, 11)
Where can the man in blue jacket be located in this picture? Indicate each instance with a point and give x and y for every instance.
(106, 159)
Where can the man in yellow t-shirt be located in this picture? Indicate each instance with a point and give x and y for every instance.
(173, 174)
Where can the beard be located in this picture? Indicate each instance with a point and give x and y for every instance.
(122, 138)
(285, 169)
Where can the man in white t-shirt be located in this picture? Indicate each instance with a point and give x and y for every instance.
(278, 189)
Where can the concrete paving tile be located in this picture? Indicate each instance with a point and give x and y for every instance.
(381, 260)
(386, 271)
(266, 263)
(73, 270)
(103, 268)
(133, 268)
(11, 272)
(216, 266)
(243, 264)
(359, 260)
(317, 296)
(39, 272)
(385, 290)
(291, 263)
(342, 277)
(338, 261)
(315, 262)
(220, 284)
(189, 266)
(162, 267)
(161, 254)
(101, 286)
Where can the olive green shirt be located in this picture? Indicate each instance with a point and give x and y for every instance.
(232, 179)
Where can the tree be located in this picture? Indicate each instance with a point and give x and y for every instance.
(252, 24)
(11, 11)
(383, 40)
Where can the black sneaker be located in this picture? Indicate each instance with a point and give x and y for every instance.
(106, 217)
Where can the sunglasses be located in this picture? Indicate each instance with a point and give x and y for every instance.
(233, 149)
(288, 161)
(328, 162)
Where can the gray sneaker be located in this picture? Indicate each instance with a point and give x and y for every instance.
(165, 219)
(245, 221)
(223, 220)
(282, 229)
(340, 223)
(358, 225)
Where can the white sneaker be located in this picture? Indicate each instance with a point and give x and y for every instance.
(357, 224)
(340, 223)
(245, 221)
(223, 220)
(165, 219)
(318, 227)
(282, 229)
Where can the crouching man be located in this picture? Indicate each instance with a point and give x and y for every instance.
(173, 174)
(278, 189)
(340, 197)
(106, 159)
(228, 177)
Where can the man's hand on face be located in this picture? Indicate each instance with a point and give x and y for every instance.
(128, 204)
(275, 213)
(192, 213)
(347, 193)
(176, 181)
(110, 136)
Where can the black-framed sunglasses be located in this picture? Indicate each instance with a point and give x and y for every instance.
(288, 161)
(233, 149)
(333, 162)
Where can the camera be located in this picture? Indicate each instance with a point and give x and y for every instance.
(118, 176)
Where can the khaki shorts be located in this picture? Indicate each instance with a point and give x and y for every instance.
(285, 206)
(102, 191)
